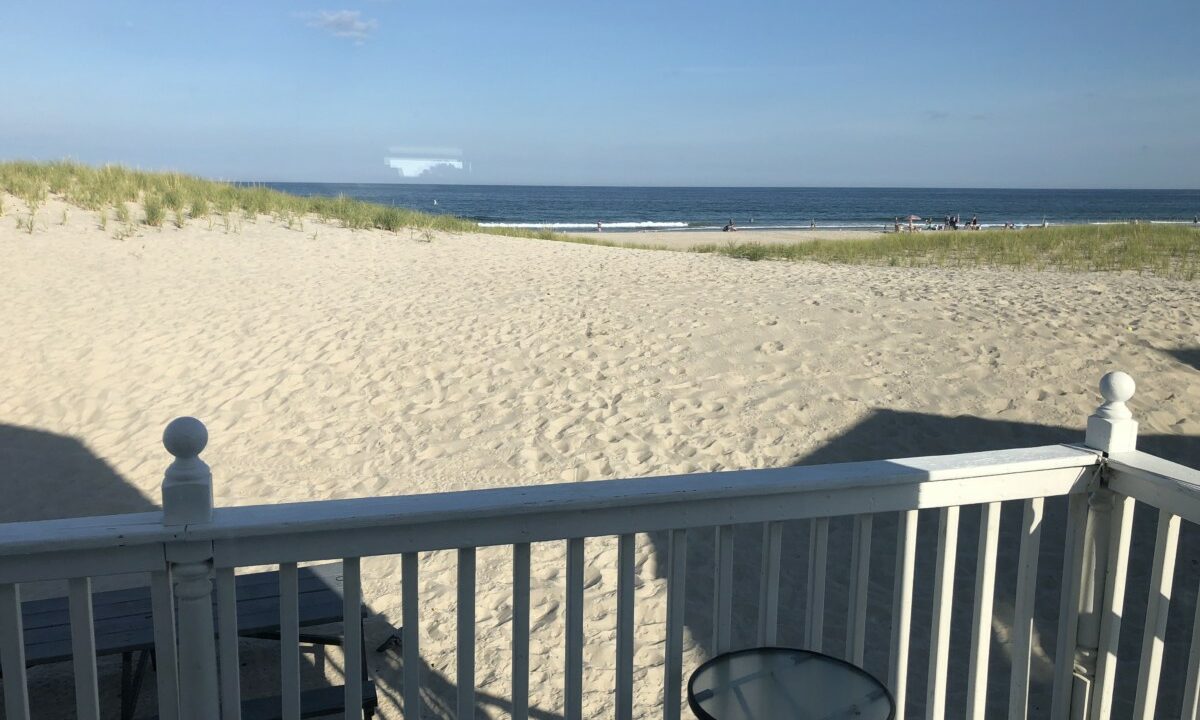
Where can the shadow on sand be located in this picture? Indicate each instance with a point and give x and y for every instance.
(45, 476)
(1187, 356)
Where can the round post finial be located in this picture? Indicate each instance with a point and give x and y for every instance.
(185, 437)
(1116, 388)
(1112, 427)
(187, 483)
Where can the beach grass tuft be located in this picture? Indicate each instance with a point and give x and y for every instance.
(152, 206)
(199, 207)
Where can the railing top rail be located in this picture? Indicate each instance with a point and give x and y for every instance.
(86, 532)
(1157, 482)
(607, 494)
(357, 513)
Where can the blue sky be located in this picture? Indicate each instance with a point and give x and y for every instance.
(947, 94)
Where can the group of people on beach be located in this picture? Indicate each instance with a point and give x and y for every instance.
(951, 222)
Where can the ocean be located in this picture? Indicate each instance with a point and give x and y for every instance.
(578, 209)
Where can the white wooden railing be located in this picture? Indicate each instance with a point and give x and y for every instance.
(189, 544)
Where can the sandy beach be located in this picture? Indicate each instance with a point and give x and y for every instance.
(330, 363)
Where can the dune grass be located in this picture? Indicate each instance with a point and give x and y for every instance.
(179, 196)
(1164, 250)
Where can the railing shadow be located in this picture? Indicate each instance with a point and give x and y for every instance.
(1187, 356)
(890, 434)
(438, 693)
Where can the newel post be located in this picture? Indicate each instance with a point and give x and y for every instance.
(187, 500)
(1110, 429)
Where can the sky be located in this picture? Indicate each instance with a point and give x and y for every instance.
(1018, 93)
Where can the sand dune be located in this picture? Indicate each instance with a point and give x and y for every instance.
(331, 363)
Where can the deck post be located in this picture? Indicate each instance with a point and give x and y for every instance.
(1110, 429)
(187, 500)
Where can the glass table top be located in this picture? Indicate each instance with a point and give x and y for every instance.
(785, 684)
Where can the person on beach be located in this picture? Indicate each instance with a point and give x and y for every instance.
(599, 226)
(729, 227)
(974, 222)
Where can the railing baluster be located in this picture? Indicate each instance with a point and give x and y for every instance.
(352, 631)
(943, 605)
(1161, 580)
(906, 563)
(466, 633)
(289, 640)
(573, 680)
(768, 589)
(723, 588)
(673, 660)
(818, 553)
(227, 647)
(860, 579)
(625, 598)
(1114, 591)
(1022, 641)
(162, 600)
(12, 654)
(83, 649)
(1069, 605)
(520, 632)
(981, 626)
(1191, 688)
(411, 634)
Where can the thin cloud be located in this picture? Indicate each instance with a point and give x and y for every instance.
(348, 24)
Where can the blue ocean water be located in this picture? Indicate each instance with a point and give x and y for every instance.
(665, 208)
